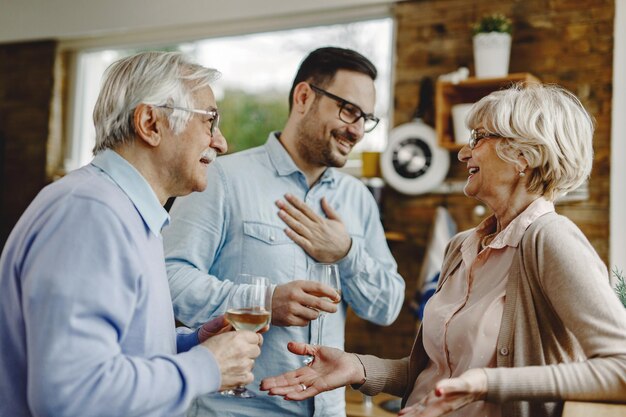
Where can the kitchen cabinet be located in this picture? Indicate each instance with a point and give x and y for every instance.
(470, 90)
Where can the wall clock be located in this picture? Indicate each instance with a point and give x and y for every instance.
(413, 163)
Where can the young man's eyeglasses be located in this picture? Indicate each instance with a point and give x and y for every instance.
(211, 116)
(477, 136)
(350, 112)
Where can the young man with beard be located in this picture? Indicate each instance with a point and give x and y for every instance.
(276, 209)
(86, 320)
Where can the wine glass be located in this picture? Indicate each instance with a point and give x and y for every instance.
(327, 274)
(248, 308)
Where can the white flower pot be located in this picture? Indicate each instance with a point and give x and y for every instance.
(491, 54)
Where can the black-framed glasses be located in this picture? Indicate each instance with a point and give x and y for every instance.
(211, 116)
(477, 136)
(350, 112)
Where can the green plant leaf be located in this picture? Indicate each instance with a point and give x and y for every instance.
(495, 22)
(620, 286)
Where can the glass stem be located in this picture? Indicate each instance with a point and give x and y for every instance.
(319, 329)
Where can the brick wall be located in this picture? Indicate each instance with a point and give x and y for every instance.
(568, 42)
(26, 85)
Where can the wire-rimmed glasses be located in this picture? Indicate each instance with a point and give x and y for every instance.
(350, 112)
(212, 116)
(476, 136)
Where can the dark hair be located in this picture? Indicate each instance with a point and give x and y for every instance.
(321, 65)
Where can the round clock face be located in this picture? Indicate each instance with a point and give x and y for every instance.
(411, 157)
(413, 163)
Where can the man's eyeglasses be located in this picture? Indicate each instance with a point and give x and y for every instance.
(350, 112)
(211, 116)
(477, 136)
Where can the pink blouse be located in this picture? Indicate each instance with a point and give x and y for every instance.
(462, 320)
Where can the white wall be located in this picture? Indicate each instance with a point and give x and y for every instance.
(22, 20)
(617, 244)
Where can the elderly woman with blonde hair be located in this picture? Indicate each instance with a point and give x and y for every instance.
(524, 316)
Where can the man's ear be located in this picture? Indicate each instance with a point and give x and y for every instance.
(146, 124)
(303, 96)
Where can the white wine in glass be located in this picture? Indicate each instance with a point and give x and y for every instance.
(249, 307)
(327, 274)
(252, 319)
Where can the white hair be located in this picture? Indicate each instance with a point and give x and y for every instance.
(546, 125)
(153, 78)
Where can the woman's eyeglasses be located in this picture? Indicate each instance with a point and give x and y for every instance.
(477, 136)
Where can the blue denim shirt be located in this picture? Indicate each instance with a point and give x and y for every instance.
(86, 323)
(233, 227)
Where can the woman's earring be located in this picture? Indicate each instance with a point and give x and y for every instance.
(522, 174)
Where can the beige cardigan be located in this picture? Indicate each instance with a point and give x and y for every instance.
(563, 331)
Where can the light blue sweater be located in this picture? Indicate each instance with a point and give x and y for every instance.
(86, 321)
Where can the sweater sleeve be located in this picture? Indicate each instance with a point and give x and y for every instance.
(80, 297)
(573, 282)
(384, 375)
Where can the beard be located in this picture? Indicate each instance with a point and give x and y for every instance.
(315, 148)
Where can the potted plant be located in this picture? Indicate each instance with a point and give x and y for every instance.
(492, 45)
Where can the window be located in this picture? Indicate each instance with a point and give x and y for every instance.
(257, 72)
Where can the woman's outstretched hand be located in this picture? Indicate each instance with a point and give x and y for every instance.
(331, 368)
(449, 395)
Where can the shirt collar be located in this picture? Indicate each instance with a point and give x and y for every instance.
(135, 187)
(285, 166)
(513, 233)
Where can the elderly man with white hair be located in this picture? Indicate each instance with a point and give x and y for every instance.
(86, 319)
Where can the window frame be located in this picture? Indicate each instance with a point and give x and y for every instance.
(73, 49)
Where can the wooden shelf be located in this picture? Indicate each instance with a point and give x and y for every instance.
(470, 90)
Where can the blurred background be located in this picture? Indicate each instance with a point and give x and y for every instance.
(53, 53)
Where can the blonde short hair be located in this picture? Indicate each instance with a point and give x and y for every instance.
(545, 124)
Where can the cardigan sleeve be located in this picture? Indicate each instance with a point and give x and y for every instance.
(384, 375)
(573, 283)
